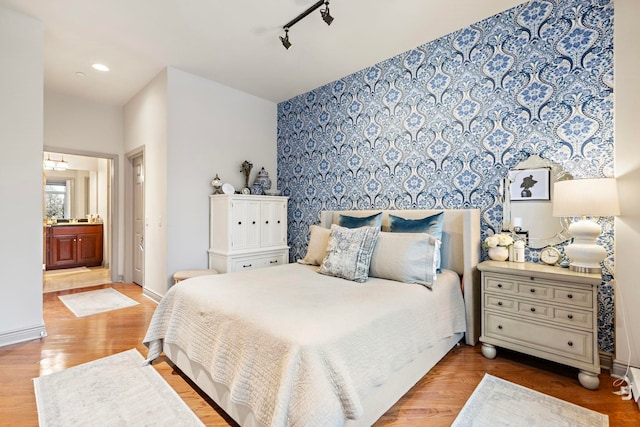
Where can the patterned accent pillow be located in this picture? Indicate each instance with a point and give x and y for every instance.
(347, 221)
(349, 252)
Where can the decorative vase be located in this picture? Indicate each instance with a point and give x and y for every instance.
(499, 253)
(263, 179)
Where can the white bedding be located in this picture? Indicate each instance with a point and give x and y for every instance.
(300, 348)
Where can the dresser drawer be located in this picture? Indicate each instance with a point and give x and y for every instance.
(577, 318)
(576, 345)
(500, 303)
(258, 261)
(574, 297)
(499, 284)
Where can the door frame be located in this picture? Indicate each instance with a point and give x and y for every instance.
(129, 234)
(113, 222)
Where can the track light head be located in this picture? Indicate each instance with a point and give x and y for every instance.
(285, 40)
(326, 17)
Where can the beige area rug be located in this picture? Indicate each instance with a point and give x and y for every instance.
(74, 278)
(497, 402)
(87, 303)
(65, 271)
(113, 391)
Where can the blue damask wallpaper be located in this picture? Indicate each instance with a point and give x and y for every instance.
(439, 126)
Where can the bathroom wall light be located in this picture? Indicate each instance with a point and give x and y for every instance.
(55, 165)
(326, 17)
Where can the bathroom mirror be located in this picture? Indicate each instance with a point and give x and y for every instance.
(532, 211)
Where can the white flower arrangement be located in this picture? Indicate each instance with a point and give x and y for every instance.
(499, 239)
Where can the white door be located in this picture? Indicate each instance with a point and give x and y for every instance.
(138, 220)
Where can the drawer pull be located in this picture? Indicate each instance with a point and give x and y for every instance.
(273, 262)
(239, 222)
(570, 316)
(570, 296)
(253, 222)
(278, 222)
(533, 309)
(245, 266)
(499, 302)
(570, 343)
(499, 285)
(533, 291)
(266, 222)
(499, 326)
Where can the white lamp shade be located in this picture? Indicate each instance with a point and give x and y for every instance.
(586, 197)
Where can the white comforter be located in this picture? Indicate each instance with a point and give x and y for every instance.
(300, 348)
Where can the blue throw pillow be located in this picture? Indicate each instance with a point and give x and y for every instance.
(374, 220)
(431, 225)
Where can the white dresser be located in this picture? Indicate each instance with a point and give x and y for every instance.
(247, 232)
(544, 311)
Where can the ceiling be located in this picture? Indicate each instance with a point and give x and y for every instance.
(232, 42)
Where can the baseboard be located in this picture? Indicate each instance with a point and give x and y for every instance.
(151, 295)
(22, 335)
(606, 360)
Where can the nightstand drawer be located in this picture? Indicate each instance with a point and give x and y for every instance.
(497, 302)
(577, 318)
(498, 284)
(576, 297)
(535, 310)
(534, 290)
(577, 345)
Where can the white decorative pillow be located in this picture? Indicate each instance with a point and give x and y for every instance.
(405, 257)
(349, 252)
(317, 248)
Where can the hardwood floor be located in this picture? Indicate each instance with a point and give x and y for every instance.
(434, 401)
(74, 278)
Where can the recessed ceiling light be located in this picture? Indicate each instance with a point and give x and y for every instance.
(79, 74)
(100, 67)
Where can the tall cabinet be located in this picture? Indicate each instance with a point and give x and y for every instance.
(247, 232)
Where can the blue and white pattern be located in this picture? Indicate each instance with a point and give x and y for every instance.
(440, 126)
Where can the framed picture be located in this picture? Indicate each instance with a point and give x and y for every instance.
(530, 184)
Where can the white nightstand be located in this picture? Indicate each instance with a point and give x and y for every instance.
(544, 311)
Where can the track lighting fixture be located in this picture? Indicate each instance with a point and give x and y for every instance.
(326, 17)
(285, 40)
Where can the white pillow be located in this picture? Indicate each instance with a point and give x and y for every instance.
(317, 248)
(349, 252)
(405, 257)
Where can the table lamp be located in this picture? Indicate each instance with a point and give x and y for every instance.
(585, 197)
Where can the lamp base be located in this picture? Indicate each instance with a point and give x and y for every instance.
(584, 252)
(580, 269)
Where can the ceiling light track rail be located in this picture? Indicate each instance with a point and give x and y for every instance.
(326, 17)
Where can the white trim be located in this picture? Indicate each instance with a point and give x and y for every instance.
(155, 297)
(22, 335)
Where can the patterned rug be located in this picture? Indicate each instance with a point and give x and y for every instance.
(113, 391)
(93, 302)
(496, 402)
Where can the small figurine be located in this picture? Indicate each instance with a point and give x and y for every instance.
(246, 167)
(216, 183)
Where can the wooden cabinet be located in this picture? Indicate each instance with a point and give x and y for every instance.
(247, 232)
(74, 246)
(547, 312)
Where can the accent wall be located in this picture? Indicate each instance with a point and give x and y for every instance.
(439, 126)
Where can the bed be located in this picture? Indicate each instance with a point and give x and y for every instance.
(288, 346)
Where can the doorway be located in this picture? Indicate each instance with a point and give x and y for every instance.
(79, 195)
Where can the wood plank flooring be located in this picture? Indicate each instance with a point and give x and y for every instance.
(434, 401)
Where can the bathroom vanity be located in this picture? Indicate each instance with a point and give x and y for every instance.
(73, 245)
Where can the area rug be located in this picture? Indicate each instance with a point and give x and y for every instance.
(65, 271)
(497, 402)
(93, 302)
(113, 391)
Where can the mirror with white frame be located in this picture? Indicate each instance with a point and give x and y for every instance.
(534, 214)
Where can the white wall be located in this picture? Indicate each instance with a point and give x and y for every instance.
(191, 128)
(627, 156)
(76, 125)
(145, 125)
(212, 130)
(21, 86)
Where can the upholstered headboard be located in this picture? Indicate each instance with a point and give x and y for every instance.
(460, 251)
